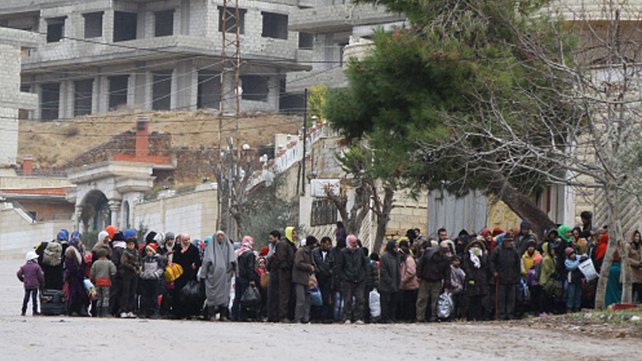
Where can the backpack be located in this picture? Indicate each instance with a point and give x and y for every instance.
(52, 255)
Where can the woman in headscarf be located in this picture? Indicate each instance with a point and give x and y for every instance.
(187, 255)
(77, 300)
(219, 263)
(475, 266)
(245, 276)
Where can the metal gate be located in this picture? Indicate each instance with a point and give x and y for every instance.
(454, 214)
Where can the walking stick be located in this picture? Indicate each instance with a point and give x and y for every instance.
(496, 298)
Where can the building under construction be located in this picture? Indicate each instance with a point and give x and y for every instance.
(96, 56)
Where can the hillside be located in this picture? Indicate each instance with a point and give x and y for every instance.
(54, 144)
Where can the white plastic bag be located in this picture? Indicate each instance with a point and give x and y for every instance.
(445, 306)
(375, 303)
(588, 270)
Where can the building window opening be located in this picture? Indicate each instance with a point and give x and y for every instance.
(164, 23)
(162, 90)
(209, 90)
(118, 91)
(50, 101)
(275, 25)
(125, 26)
(230, 20)
(254, 88)
(306, 41)
(93, 25)
(55, 29)
(83, 91)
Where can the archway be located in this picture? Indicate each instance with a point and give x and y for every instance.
(95, 211)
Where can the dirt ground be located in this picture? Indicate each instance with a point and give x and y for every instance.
(64, 338)
(57, 142)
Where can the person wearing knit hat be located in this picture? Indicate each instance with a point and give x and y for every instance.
(102, 244)
(528, 257)
(130, 265)
(31, 275)
(524, 237)
(118, 248)
(111, 230)
(102, 274)
(505, 266)
(130, 234)
(573, 279)
(149, 237)
(150, 279)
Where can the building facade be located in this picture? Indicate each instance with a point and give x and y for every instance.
(96, 56)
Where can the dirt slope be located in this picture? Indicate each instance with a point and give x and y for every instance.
(53, 144)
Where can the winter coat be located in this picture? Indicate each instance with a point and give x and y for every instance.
(337, 278)
(353, 265)
(102, 272)
(408, 270)
(573, 273)
(116, 256)
(101, 245)
(246, 264)
(433, 266)
(476, 282)
(373, 278)
(522, 241)
(635, 262)
(324, 267)
(457, 279)
(506, 263)
(390, 277)
(130, 262)
(31, 275)
(303, 266)
(284, 255)
(153, 267)
(528, 261)
(548, 266)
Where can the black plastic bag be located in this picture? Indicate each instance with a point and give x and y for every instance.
(251, 297)
(192, 297)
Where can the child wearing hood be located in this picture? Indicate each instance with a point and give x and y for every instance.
(129, 269)
(456, 285)
(31, 275)
(150, 279)
(573, 279)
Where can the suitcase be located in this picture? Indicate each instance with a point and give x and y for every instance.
(53, 302)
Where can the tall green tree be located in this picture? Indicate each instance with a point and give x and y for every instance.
(454, 57)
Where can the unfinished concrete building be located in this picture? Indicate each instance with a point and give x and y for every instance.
(14, 44)
(96, 56)
(332, 31)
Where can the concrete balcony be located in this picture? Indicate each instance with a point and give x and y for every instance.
(331, 18)
(332, 78)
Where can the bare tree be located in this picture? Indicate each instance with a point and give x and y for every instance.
(577, 123)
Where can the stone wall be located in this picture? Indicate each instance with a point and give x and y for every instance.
(194, 212)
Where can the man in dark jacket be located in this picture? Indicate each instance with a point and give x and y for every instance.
(324, 260)
(434, 272)
(524, 237)
(505, 265)
(284, 261)
(273, 284)
(353, 268)
(303, 267)
(389, 283)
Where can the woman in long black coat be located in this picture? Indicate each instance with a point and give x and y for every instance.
(476, 285)
(188, 256)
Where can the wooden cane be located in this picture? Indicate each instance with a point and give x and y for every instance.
(496, 298)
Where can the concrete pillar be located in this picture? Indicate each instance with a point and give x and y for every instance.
(174, 104)
(78, 223)
(103, 94)
(62, 97)
(148, 89)
(273, 93)
(108, 26)
(131, 90)
(95, 89)
(114, 207)
(37, 113)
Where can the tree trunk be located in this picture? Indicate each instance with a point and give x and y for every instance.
(383, 218)
(627, 285)
(615, 233)
(522, 205)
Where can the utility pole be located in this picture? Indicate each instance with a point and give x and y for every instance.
(305, 136)
(230, 63)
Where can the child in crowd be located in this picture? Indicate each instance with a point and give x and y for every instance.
(456, 286)
(573, 280)
(101, 274)
(150, 278)
(535, 289)
(130, 268)
(33, 278)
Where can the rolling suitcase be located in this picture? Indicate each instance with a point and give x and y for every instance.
(53, 302)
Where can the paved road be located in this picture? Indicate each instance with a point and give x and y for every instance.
(63, 338)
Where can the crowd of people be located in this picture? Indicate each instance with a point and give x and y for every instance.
(495, 274)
